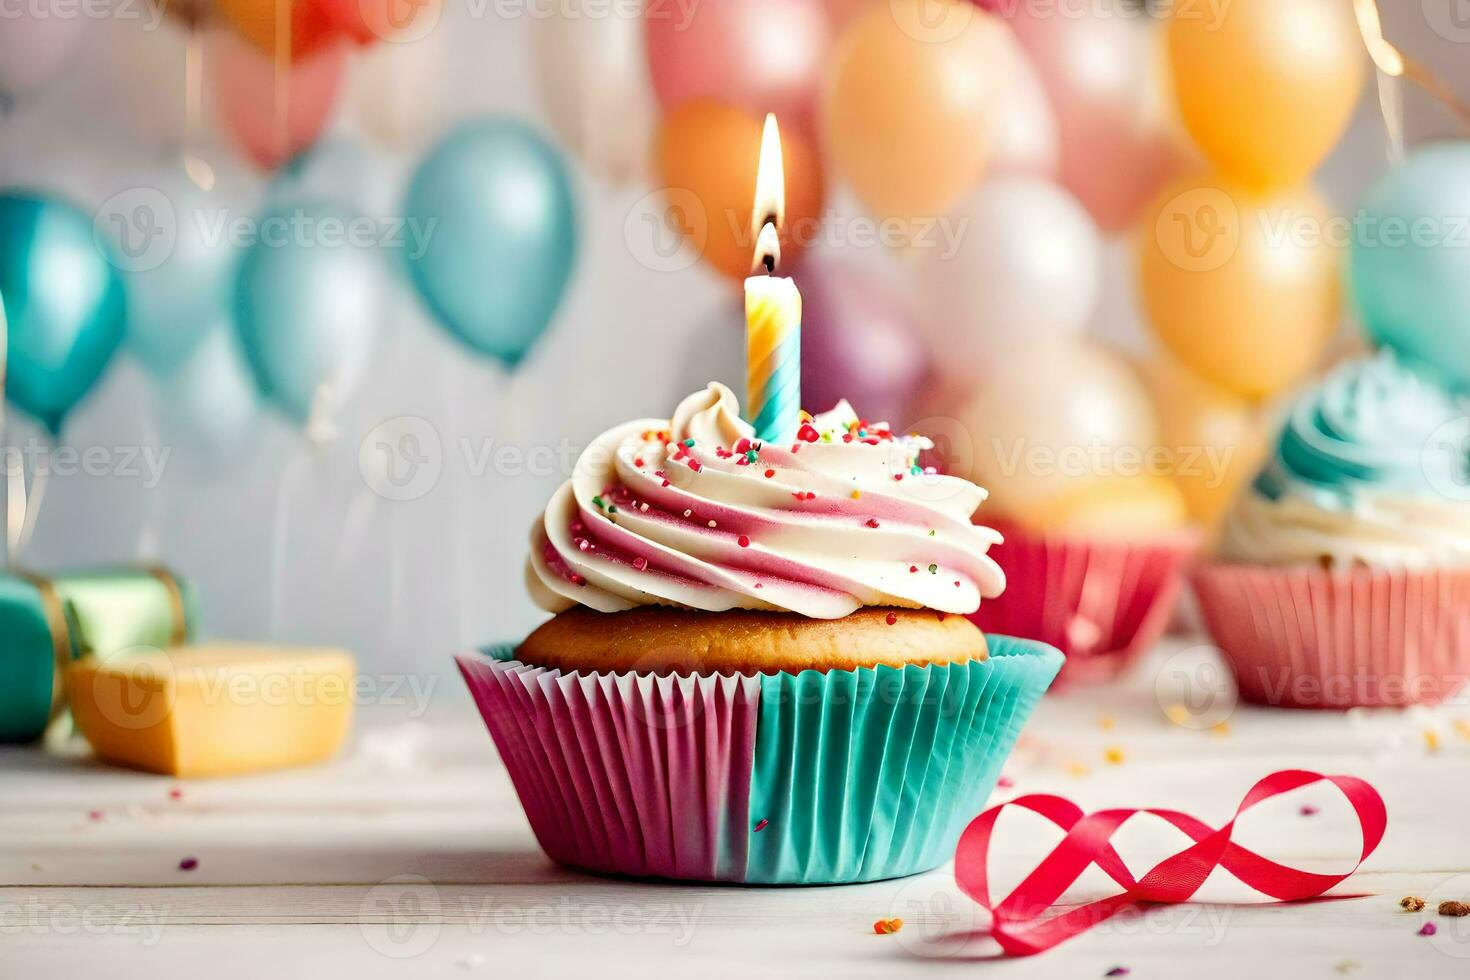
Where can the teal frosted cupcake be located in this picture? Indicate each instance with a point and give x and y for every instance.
(1344, 571)
(760, 669)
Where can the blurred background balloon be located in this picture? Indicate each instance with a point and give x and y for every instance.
(1117, 507)
(1026, 268)
(1216, 440)
(208, 404)
(1410, 282)
(272, 115)
(706, 156)
(308, 303)
(1052, 423)
(371, 21)
(1267, 88)
(35, 46)
(1105, 78)
(178, 279)
(495, 201)
(64, 306)
(909, 116)
(593, 79)
(857, 340)
(395, 91)
(761, 55)
(1026, 137)
(1243, 287)
(259, 22)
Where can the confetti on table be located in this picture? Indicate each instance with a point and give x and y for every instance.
(1118, 971)
(188, 864)
(1428, 929)
(1221, 730)
(1177, 713)
(94, 814)
(1411, 903)
(1431, 740)
(1075, 768)
(1113, 755)
(1457, 909)
(176, 794)
(1308, 811)
(884, 927)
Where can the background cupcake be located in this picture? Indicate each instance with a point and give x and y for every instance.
(1344, 571)
(760, 669)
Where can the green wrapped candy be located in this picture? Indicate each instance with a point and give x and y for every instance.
(45, 624)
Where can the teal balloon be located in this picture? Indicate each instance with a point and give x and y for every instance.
(1410, 274)
(494, 205)
(64, 305)
(308, 301)
(178, 259)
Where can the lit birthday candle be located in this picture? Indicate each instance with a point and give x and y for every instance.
(772, 307)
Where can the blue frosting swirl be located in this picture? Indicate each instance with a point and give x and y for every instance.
(1370, 427)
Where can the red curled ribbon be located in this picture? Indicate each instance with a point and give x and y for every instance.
(1018, 922)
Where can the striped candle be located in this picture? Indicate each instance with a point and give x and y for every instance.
(773, 356)
(772, 307)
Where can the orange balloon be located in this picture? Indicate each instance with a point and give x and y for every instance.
(1215, 440)
(257, 21)
(910, 103)
(1266, 87)
(706, 155)
(1241, 286)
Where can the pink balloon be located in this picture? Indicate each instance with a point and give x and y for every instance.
(763, 55)
(1025, 140)
(245, 95)
(1106, 80)
(857, 341)
(34, 46)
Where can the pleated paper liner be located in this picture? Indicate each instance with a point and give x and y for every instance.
(806, 778)
(1312, 638)
(1101, 602)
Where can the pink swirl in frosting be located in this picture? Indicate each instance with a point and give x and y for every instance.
(694, 512)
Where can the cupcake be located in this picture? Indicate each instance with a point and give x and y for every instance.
(1343, 576)
(760, 668)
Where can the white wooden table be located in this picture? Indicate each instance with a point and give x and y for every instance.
(410, 857)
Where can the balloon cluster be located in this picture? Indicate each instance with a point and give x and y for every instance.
(1028, 133)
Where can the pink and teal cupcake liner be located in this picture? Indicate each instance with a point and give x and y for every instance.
(809, 778)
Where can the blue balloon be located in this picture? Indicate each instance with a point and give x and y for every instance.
(64, 302)
(494, 204)
(308, 301)
(1411, 262)
(173, 241)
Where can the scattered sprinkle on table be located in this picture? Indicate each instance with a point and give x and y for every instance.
(1428, 929)
(1107, 723)
(1004, 782)
(94, 814)
(1308, 811)
(1221, 730)
(188, 864)
(884, 927)
(1118, 971)
(1431, 740)
(1411, 903)
(176, 794)
(1457, 909)
(1113, 755)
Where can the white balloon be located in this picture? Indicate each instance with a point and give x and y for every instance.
(1025, 139)
(1052, 419)
(393, 89)
(594, 83)
(1026, 269)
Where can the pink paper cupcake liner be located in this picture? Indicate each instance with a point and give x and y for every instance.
(1101, 602)
(1313, 638)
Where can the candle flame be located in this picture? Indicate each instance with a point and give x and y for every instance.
(769, 211)
(1388, 58)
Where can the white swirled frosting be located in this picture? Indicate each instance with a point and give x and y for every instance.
(695, 512)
